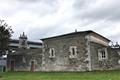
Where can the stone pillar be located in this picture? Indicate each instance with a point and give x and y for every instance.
(88, 53)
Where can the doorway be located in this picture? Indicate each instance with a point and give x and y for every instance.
(12, 65)
(32, 66)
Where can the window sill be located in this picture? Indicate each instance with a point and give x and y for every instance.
(71, 56)
(102, 59)
(51, 57)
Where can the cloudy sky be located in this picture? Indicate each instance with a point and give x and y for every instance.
(45, 18)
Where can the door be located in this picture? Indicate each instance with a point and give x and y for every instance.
(12, 65)
(32, 68)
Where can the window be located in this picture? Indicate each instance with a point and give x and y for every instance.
(102, 53)
(52, 53)
(73, 52)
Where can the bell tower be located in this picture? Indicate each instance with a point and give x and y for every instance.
(23, 41)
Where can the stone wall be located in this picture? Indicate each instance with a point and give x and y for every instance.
(24, 58)
(114, 57)
(62, 61)
(107, 64)
(94, 55)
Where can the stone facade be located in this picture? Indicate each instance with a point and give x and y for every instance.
(87, 45)
(62, 60)
(25, 60)
(24, 55)
(78, 51)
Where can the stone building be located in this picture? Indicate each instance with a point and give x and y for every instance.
(78, 51)
(24, 55)
(25, 60)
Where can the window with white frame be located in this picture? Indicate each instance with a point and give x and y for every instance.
(52, 53)
(73, 52)
(102, 54)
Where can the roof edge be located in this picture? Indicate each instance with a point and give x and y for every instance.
(88, 31)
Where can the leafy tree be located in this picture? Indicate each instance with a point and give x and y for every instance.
(5, 34)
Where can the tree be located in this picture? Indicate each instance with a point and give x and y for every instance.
(5, 35)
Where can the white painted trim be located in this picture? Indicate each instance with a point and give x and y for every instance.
(52, 55)
(100, 54)
(71, 52)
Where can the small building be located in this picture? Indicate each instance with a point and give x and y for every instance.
(78, 51)
(24, 55)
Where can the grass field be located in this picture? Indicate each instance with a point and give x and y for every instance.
(96, 75)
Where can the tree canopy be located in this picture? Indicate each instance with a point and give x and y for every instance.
(5, 35)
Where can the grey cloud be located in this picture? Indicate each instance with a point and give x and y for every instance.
(62, 16)
(38, 33)
(108, 10)
(49, 2)
(41, 7)
(38, 7)
(115, 38)
(28, 0)
(81, 4)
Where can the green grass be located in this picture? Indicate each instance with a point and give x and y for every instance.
(95, 75)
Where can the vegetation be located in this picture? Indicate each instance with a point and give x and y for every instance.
(96, 75)
(5, 34)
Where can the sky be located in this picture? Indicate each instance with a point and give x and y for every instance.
(46, 18)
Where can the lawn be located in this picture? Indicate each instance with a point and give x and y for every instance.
(95, 75)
